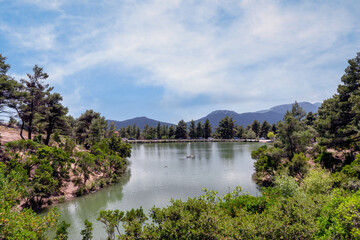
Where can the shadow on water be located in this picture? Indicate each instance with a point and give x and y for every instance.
(226, 151)
(88, 207)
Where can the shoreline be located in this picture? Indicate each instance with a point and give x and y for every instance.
(193, 140)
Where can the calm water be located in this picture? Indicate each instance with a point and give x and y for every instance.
(159, 172)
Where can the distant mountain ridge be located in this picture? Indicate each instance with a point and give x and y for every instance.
(271, 115)
(139, 121)
(308, 107)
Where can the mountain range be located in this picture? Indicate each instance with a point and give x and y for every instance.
(271, 115)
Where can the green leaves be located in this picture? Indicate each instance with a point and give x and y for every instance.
(226, 128)
(338, 122)
(111, 219)
(87, 232)
(181, 130)
(61, 231)
(20, 224)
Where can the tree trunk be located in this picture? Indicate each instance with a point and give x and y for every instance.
(49, 131)
(31, 119)
(30, 128)
(47, 139)
(21, 130)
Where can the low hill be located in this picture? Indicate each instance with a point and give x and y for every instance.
(272, 115)
(139, 121)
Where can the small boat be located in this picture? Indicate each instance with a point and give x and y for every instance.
(190, 156)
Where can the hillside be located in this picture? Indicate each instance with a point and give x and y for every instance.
(139, 121)
(271, 115)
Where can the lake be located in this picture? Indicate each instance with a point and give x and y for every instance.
(159, 172)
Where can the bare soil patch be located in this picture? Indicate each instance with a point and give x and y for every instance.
(9, 134)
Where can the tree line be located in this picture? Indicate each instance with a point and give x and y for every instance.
(40, 111)
(227, 129)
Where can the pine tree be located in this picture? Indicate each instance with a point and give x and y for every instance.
(207, 129)
(8, 85)
(83, 125)
(255, 126)
(226, 128)
(192, 131)
(264, 129)
(35, 98)
(199, 130)
(181, 130)
(339, 116)
(53, 115)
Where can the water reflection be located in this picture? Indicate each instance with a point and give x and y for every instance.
(226, 151)
(160, 172)
(88, 207)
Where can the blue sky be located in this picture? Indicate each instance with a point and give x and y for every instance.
(172, 60)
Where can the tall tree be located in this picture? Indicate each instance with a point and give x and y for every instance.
(145, 132)
(4, 86)
(172, 131)
(53, 115)
(158, 131)
(298, 111)
(181, 130)
(207, 129)
(310, 118)
(239, 131)
(264, 129)
(293, 134)
(199, 130)
(71, 123)
(83, 125)
(138, 133)
(97, 130)
(226, 128)
(192, 130)
(274, 128)
(36, 92)
(339, 116)
(164, 131)
(8, 85)
(255, 126)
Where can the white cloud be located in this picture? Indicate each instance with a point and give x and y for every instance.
(45, 4)
(190, 49)
(39, 38)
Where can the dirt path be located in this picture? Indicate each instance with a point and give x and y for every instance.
(9, 134)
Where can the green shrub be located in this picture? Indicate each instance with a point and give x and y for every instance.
(69, 146)
(38, 139)
(57, 137)
(318, 181)
(268, 159)
(340, 218)
(298, 165)
(286, 185)
(327, 160)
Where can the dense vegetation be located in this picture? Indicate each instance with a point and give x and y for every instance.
(60, 156)
(311, 176)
